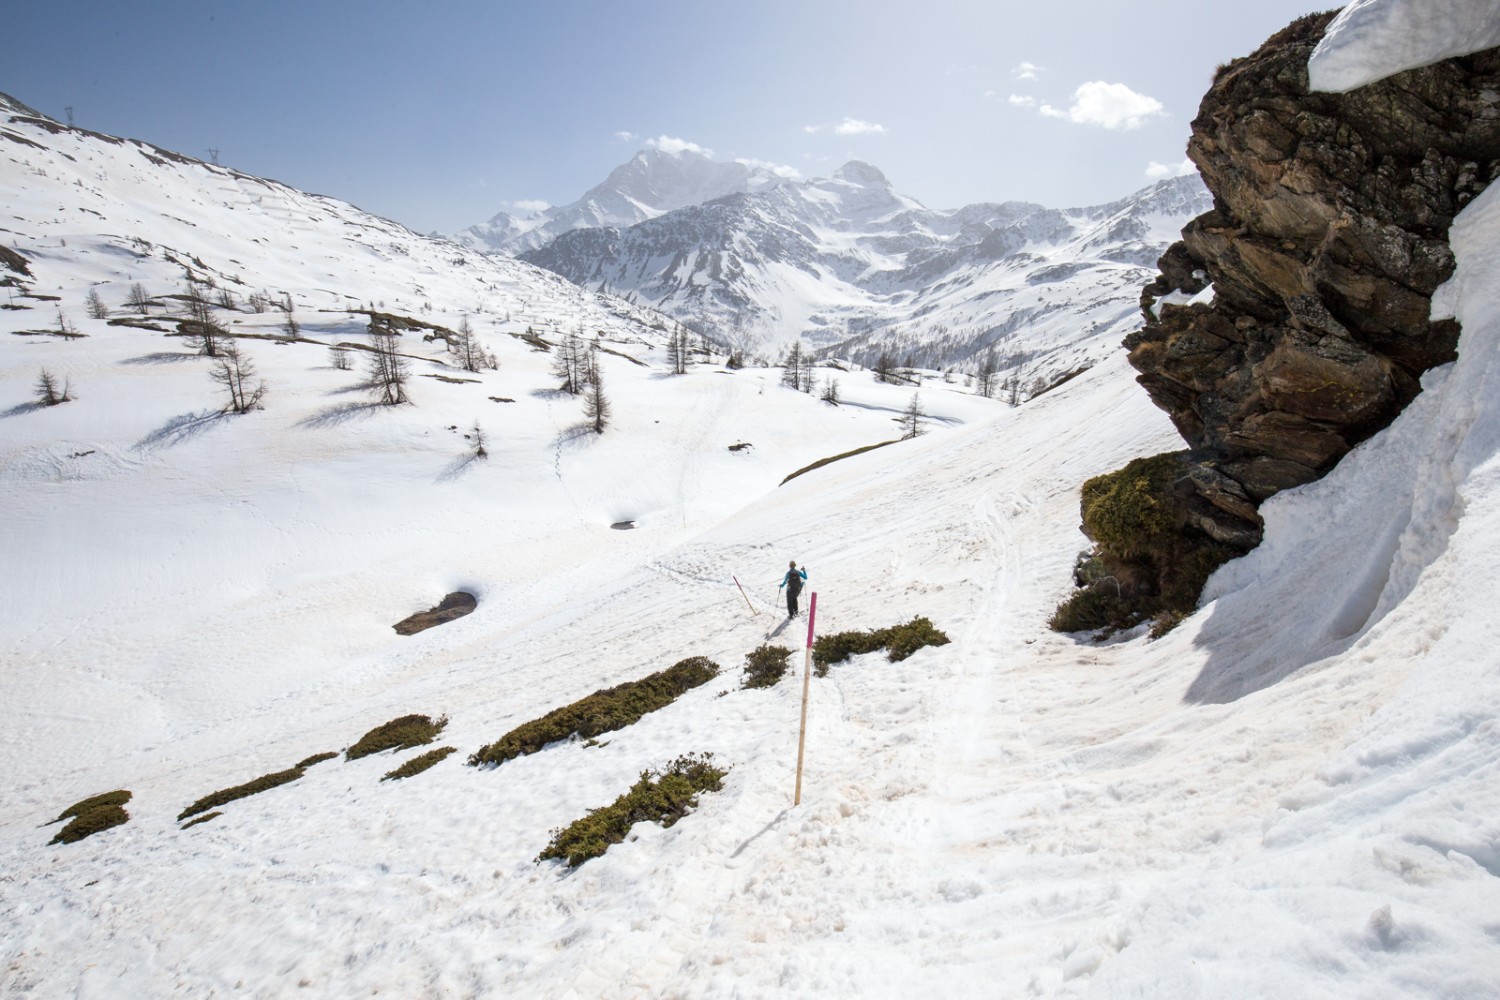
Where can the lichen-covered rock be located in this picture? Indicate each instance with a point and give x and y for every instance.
(1327, 239)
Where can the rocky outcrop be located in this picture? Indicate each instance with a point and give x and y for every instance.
(1327, 238)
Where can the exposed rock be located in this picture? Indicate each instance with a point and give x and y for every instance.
(455, 605)
(1326, 241)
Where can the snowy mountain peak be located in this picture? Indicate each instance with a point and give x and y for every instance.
(861, 173)
(659, 179)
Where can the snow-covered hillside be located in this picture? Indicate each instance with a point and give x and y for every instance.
(1293, 794)
(855, 269)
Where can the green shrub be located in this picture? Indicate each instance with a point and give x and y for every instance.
(1129, 511)
(601, 712)
(1096, 607)
(418, 764)
(664, 799)
(98, 812)
(116, 798)
(900, 641)
(903, 640)
(765, 665)
(203, 819)
(316, 758)
(398, 734)
(223, 795)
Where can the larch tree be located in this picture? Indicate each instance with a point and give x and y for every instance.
(388, 370)
(234, 370)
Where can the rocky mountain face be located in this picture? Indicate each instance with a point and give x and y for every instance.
(1327, 237)
(652, 183)
(851, 267)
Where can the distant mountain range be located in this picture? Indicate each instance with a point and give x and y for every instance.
(852, 267)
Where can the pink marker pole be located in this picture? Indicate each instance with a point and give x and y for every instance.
(812, 613)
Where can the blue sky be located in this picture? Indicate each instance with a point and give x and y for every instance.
(440, 115)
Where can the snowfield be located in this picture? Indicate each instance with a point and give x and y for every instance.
(1294, 793)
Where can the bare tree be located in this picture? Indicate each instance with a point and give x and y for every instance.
(477, 436)
(595, 404)
(570, 364)
(831, 391)
(468, 351)
(984, 383)
(202, 325)
(792, 370)
(675, 349)
(96, 307)
(388, 370)
(65, 327)
(290, 329)
(911, 418)
(258, 302)
(226, 299)
(49, 392)
(138, 300)
(807, 368)
(885, 368)
(234, 370)
(338, 356)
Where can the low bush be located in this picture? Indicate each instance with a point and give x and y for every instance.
(88, 817)
(899, 641)
(249, 788)
(398, 734)
(765, 665)
(316, 758)
(202, 819)
(835, 458)
(601, 712)
(418, 764)
(663, 798)
(1129, 511)
(1098, 606)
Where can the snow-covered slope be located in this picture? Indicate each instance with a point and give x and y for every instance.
(855, 269)
(1292, 794)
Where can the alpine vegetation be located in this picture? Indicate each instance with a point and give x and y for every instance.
(398, 734)
(601, 712)
(91, 815)
(899, 642)
(662, 797)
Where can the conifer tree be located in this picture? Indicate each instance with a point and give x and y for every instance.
(388, 370)
(911, 418)
(234, 370)
(595, 404)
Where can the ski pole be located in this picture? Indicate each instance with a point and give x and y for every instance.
(744, 595)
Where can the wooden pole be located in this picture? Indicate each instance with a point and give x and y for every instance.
(812, 611)
(744, 595)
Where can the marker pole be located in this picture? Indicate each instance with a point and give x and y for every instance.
(812, 611)
(744, 595)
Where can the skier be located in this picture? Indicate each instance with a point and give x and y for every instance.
(793, 584)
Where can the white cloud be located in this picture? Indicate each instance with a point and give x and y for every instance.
(625, 136)
(853, 126)
(1160, 171)
(669, 145)
(1026, 71)
(779, 169)
(1022, 100)
(1107, 105)
(530, 206)
(849, 126)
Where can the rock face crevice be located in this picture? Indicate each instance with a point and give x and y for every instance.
(1327, 238)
